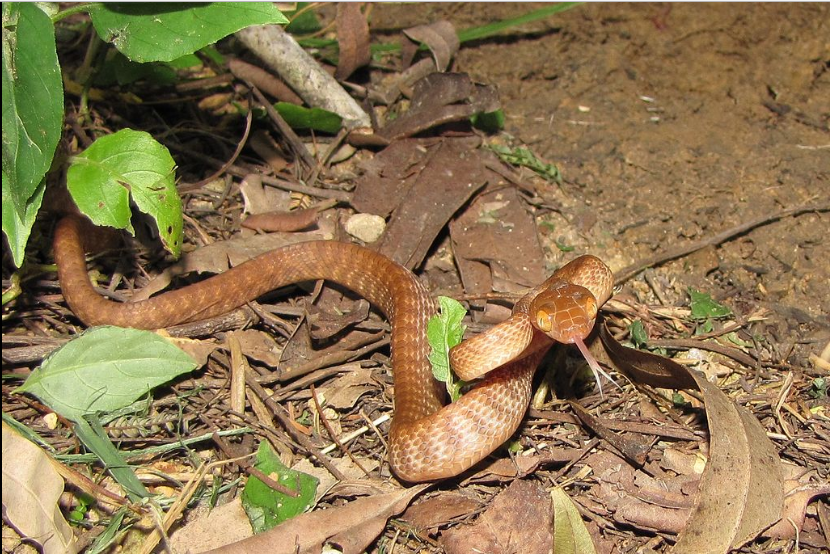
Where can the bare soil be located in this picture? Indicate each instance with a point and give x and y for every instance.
(671, 123)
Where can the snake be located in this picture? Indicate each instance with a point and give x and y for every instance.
(428, 440)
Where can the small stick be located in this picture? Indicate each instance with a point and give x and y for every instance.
(331, 433)
(630, 271)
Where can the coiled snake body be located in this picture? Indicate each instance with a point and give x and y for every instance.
(428, 441)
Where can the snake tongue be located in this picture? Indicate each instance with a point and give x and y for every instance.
(594, 365)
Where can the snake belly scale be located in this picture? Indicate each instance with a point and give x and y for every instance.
(428, 441)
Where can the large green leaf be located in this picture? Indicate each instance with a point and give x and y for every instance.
(123, 165)
(161, 32)
(104, 369)
(32, 116)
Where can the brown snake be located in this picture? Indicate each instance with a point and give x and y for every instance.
(427, 441)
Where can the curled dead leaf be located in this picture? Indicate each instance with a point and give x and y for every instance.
(741, 490)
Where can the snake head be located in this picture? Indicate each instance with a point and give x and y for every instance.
(566, 313)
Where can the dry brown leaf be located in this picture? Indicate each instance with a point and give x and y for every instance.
(350, 528)
(741, 490)
(198, 349)
(215, 527)
(344, 464)
(260, 346)
(258, 198)
(496, 246)
(352, 39)
(295, 220)
(438, 99)
(801, 490)
(344, 391)
(31, 489)
(440, 510)
(517, 521)
(440, 37)
(453, 170)
(267, 148)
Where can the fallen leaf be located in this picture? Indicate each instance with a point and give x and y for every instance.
(258, 198)
(449, 172)
(569, 532)
(441, 39)
(258, 345)
(352, 39)
(741, 489)
(294, 220)
(496, 246)
(344, 464)
(801, 490)
(31, 489)
(216, 527)
(518, 521)
(344, 392)
(439, 510)
(351, 527)
(438, 99)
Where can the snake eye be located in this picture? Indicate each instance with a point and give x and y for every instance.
(543, 321)
(591, 308)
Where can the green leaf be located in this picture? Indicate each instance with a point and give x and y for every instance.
(521, 156)
(703, 306)
(161, 32)
(118, 69)
(128, 164)
(104, 369)
(300, 117)
(94, 437)
(818, 389)
(16, 226)
(489, 122)
(733, 338)
(32, 117)
(305, 24)
(639, 337)
(445, 331)
(266, 507)
(569, 532)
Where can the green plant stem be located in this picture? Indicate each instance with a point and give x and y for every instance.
(80, 8)
(477, 33)
(466, 35)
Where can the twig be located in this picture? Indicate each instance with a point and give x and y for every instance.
(286, 130)
(281, 53)
(730, 352)
(239, 171)
(332, 435)
(373, 424)
(199, 184)
(285, 422)
(629, 271)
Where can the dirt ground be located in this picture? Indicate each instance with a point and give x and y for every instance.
(672, 123)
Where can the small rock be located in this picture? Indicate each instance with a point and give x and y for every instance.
(366, 227)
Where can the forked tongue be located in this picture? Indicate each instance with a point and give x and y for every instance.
(594, 365)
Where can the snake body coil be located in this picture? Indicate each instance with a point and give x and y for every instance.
(428, 441)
